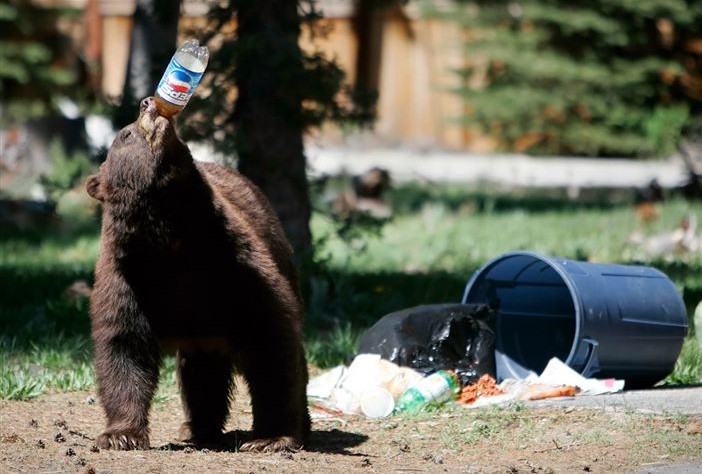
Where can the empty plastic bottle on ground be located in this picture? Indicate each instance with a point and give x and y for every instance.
(436, 388)
(181, 77)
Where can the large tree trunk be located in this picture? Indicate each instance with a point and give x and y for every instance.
(154, 37)
(269, 111)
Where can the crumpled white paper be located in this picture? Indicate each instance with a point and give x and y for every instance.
(558, 373)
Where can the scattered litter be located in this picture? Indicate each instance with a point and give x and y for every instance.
(558, 373)
(378, 388)
(557, 380)
(370, 385)
(435, 389)
(377, 402)
(486, 386)
(543, 391)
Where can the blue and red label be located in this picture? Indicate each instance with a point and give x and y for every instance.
(178, 83)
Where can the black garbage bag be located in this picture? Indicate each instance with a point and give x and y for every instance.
(428, 338)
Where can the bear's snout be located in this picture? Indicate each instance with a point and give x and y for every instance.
(148, 105)
(153, 126)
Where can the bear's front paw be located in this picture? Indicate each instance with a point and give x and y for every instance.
(123, 440)
(270, 445)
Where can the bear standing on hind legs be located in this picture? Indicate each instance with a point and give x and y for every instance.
(192, 257)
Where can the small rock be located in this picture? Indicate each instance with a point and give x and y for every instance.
(94, 449)
(40, 444)
(81, 462)
(435, 458)
(405, 448)
(90, 400)
(33, 423)
(366, 463)
(188, 450)
(59, 438)
(89, 470)
(70, 452)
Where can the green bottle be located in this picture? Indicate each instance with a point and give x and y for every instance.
(436, 388)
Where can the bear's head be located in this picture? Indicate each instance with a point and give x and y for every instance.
(143, 155)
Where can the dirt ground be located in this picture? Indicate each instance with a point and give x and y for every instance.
(55, 433)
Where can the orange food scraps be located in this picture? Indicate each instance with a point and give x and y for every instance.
(484, 387)
(540, 392)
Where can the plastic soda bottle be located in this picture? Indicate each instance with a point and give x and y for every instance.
(181, 77)
(436, 388)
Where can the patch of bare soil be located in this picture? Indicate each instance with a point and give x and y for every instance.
(55, 434)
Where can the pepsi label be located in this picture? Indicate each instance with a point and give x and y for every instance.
(178, 83)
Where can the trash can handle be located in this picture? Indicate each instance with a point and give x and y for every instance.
(592, 365)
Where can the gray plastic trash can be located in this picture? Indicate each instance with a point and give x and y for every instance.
(603, 320)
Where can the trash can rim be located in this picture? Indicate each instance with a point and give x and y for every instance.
(551, 262)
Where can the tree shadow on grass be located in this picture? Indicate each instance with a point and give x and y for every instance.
(35, 301)
(333, 441)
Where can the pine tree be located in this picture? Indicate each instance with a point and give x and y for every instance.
(281, 91)
(596, 77)
(153, 40)
(33, 75)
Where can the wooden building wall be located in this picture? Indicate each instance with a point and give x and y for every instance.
(407, 58)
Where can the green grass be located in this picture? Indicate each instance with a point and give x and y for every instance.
(32, 366)
(688, 367)
(327, 349)
(438, 237)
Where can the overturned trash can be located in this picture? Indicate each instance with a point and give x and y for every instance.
(603, 320)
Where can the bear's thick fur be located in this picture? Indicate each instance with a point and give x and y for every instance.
(192, 258)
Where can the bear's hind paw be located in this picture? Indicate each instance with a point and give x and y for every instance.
(270, 445)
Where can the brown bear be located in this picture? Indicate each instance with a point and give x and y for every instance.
(192, 258)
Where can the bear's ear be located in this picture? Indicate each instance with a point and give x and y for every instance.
(93, 187)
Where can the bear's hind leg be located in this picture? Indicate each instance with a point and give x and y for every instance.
(206, 383)
(277, 379)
